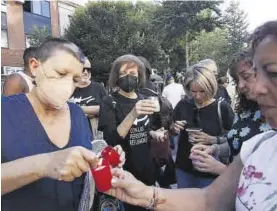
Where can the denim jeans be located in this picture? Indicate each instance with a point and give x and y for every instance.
(188, 180)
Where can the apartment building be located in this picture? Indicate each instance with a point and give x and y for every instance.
(18, 18)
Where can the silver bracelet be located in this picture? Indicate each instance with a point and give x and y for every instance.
(154, 200)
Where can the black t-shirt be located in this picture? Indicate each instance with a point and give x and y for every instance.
(89, 96)
(205, 118)
(222, 94)
(136, 144)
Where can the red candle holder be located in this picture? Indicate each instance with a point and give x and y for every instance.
(111, 155)
(102, 177)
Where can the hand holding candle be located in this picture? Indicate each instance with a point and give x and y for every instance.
(108, 157)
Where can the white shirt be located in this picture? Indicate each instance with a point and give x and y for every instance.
(257, 190)
(173, 92)
(27, 79)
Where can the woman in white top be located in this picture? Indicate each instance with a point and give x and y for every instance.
(250, 182)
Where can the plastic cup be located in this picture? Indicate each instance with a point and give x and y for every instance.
(111, 155)
(157, 103)
(102, 177)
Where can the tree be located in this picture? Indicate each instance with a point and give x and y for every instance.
(107, 30)
(236, 24)
(222, 43)
(212, 45)
(178, 22)
(39, 35)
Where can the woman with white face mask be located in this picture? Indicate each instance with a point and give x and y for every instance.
(46, 141)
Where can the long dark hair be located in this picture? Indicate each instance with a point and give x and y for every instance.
(243, 104)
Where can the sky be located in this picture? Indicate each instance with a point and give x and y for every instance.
(258, 11)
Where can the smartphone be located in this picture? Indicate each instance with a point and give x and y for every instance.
(193, 129)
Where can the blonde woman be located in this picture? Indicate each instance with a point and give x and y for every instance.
(199, 111)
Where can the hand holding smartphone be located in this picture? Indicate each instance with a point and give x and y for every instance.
(179, 125)
(191, 131)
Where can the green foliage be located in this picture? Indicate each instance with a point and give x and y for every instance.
(39, 35)
(212, 45)
(107, 30)
(235, 21)
(222, 43)
(163, 33)
(173, 19)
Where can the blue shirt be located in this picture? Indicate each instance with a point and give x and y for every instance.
(23, 135)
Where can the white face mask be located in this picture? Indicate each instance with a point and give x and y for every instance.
(55, 91)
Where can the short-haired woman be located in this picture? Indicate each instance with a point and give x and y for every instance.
(46, 142)
(124, 119)
(199, 111)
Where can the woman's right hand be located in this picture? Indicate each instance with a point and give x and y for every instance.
(68, 164)
(178, 126)
(128, 189)
(144, 107)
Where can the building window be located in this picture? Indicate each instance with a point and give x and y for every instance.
(37, 7)
(27, 6)
(45, 8)
(4, 31)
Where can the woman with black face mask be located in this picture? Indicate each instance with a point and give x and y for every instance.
(124, 119)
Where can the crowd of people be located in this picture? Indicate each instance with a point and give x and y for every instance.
(221, 157)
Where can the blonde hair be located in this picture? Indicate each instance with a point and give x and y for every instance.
(209, 64)
(203, 77)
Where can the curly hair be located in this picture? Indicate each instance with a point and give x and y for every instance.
(265, 30)
(243, 104)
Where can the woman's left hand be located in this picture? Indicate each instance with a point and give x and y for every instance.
(204, 162)
(201, 138)
(120, 151)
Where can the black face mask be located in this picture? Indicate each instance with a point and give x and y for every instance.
(128, 83)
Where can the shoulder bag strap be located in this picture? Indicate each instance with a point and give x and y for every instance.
(220, 116)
